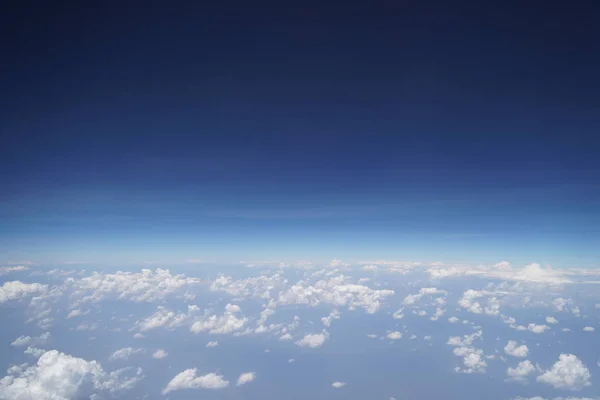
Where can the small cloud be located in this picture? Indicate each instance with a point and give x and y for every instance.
(567, 373)
(246, 377)
(589, 329)
(213, 343)
(188, 379)
(394, 335)
(551, 320)
(159, 354)
(312, 340)
(338, 385)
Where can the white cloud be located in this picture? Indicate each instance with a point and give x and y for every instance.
(58, 376)
(371, 268)
(125, 353)
(394, 335)
(338, 385)
(520, 373)
(212, 343)
(335, 314)
(427, 291)
(246, 377)
(287, 336)
(312, 340)
(551, 320)
(165, 318)
(560, 304)
(472, 360)
(469, 301)
(144, 286)
(337, 291)
(589, 329)
(372, 336)
(23, 341)
(567, 373)
(17, 290)
(16, 268)
(159, 354)
(258, 287)
(515, 350)
(188, 380)
(453, 320)
(77, 313)
(227, 323)
(291, 360)
(34, 352)
(466, 340)
(398, 314)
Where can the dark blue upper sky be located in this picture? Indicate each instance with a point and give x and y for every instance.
(407, 130)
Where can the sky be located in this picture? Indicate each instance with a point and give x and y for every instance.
(417, 131)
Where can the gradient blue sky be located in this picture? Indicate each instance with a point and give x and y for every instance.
(410, 132)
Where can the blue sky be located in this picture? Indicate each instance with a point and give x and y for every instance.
(418, 133)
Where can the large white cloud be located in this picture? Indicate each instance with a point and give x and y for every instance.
(59, 376)
(567, 373)
(144, 286)
(17, 290)
(188, 379)
(337, 291)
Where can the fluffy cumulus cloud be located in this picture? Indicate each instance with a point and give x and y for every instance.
(189, 379)
(522, 370)
(220, 324)
(17, 290)
(246, 377)
(394, 335)
(427, 291)
(165, 318)
(473, 360)
(338, 291)
(144, 286)
(312, 340)
(551, 320)
(159, 354)
(513, 349)
(567, 373)
(471, 302)
(59, 376)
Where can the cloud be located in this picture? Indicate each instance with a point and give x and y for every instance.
(469, 302)
(212, 344)
(23, 341)
(338, 385)
(285, 337)
(337, 291)
(533, 328)
(144, 286)
(427, 291)
(472, 360)
(588, 329)
(551, 320)
(398, 314)
(394, 335)
(512, 349)
(165, 318)
(58, 376)
(567, 373)
(312, 340)
(520, 373)
(159, 354)
(17, 290)
(125, 353)
(77, 313)
(453, 320)
(220, 325)
(466, 340)
(246, 377)
(188, 380)
(16, 268)
(34, 352)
